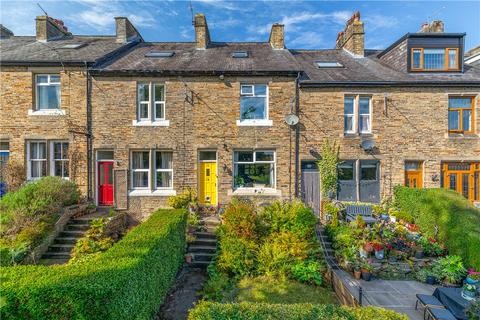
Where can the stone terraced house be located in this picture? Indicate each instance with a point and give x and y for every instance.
(143, 120)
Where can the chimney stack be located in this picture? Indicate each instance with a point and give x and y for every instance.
(353, 37)
(125, 31)
(435, 26)
(5, 33)
(277, 36)
(48, 28)
(202, 35)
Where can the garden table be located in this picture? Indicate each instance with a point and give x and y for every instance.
(453, 301)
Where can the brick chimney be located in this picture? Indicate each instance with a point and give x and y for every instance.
(353, 37)
(125, 31)
(5, 33)
(202, 35)
(435, 26)
(277, 36)
(48, 28)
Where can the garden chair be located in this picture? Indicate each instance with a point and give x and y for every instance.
(438, 314)
(352, 211)
(428, 301)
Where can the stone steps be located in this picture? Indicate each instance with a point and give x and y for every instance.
(203, 249)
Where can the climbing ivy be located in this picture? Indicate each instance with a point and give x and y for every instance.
(327, 166)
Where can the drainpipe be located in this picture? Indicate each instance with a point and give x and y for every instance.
(89, 136)
(297, 135)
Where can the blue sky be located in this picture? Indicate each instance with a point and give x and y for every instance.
(308, 24)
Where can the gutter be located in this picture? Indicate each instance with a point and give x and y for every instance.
(100, 72)
(32, 63)
(333, 84)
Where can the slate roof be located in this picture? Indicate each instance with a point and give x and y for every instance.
(26, 50)
(369, 70)
(216, 59)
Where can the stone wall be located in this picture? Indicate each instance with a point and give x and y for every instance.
(397, 56)
(17, 98)
(413, 126)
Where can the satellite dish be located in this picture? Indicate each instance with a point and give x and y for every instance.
(291, 119)
(368, 145)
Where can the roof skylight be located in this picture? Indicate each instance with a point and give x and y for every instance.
(159, 54)
(328, 64)
(73, 46)
(240, 54)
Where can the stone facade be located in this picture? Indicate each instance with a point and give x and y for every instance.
(353, 37)
(413, 125)
(18, 123)
(202, 112)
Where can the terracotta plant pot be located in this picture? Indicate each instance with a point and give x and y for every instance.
(357, 274)
(188, 258)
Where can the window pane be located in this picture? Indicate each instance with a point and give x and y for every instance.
(42, 79)
(364, 106)
(467, 120)
(264, 156)
(159, 111)
(434, 58)
(364, 123)
(416, 59)
(247, 89)
(412, 165)
(105, 155)
(140, 179)
(164, 180)
(348, 123)
(48, 97)
(348, 105)
(252, 108)
(208, 155)
(4, 145)
(368, 172)
(454, 120)
(110, 174)
(38, 150)
(452, 59)
(54, 79)
(140, 160)
(143, 92)
(244, 156)
(465, 103)
(453, 181)
(159, 89)
(163, 160)
(254, 175)
(143, 111)
(58, 168)
(345, 171)
(57, 150)
(39, 169)
(260, 90)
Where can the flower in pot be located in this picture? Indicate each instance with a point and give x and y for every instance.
(357, 270)
(473, 277)
(419, 252)
(379, 251)
(368, 247)
(469, 291)
(366, 270)
(361, 250)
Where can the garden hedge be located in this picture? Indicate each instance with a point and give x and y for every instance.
(129, 281)
(457, 220)
(263, 311)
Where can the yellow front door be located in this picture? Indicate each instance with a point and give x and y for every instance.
(208, 183)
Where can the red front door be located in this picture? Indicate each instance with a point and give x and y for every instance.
(105, 183)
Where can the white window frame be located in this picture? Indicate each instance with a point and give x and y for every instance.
(151, 103)
(49, 83)
(30, 160)
(162, 170)
(53, 160)
(350, 115)
(255, 122)
(357, 115)
(254, 161)
(148, 170)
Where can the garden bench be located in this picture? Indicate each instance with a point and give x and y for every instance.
(352, 211)
(438, 314)
(428, 301)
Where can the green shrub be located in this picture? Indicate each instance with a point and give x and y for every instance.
(263, 311)
(183, 200)
(309, 271)
(95, 240)
(450, 269)
(218, 285)
(237, 257)
(240, 220)
(446, 216)
(129, 281)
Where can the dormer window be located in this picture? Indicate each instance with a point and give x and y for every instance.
(434, 59)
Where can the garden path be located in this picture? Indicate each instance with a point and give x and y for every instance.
(183, 296)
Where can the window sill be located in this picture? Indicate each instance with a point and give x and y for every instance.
(460, 136)
(46, 112)
(254, 123)
(357, 135)
(255, 192)
(154, 193)
(156, 123)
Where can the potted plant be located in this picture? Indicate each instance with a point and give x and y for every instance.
(469, 292)
(368, 247)
(188, 258)
(473, 277)
(379, 251)
(357, 270)
(366, 271)
(450, 270)
(361, 250)
(418, 251)
(427, 276)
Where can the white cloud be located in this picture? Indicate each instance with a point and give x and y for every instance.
(377, 21)
(224, 23)
(307, 39)
(219, 4)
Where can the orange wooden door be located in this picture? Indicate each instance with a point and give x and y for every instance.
(414, 174)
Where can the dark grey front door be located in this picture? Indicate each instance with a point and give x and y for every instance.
(310, 186)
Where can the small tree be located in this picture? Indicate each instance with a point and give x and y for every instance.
(13, 174)
(327, 166)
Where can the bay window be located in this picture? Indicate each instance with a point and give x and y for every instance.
(461, 114)
(47, 89)
(254, 169)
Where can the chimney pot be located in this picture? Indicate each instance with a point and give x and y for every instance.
(277, 36)
(202, 35)
(434, 26)
(48, 28)
(353, 37)
(125, 31)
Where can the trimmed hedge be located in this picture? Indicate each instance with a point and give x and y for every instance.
(458, 221)
(263, 311)
(129, 281)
